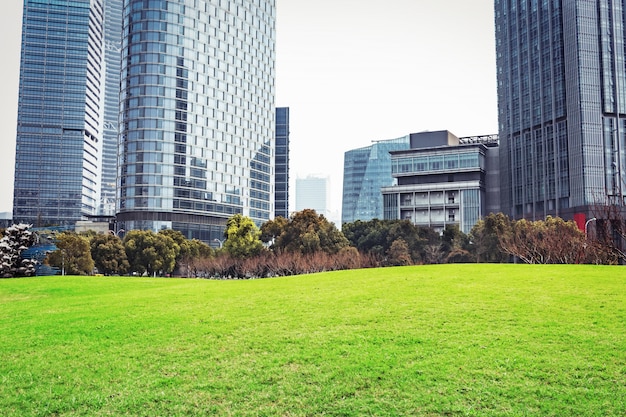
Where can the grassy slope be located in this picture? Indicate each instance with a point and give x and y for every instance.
(429, 340)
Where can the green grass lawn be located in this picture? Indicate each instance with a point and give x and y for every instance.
(445, 340)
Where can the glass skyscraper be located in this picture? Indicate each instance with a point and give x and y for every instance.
(60, 119)
(562, 105)
(112, 63)
(281, 200)
(365, 171)
(197, 114)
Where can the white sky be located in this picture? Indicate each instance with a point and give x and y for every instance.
(352, 71)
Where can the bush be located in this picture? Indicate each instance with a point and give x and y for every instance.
(269, 264)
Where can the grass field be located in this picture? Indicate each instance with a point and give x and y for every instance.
(446, 340)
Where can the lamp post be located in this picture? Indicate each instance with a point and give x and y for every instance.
(593, 219)
(219, 241)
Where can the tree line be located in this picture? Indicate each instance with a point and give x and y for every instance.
(307, 242)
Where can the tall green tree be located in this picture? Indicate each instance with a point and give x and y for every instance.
(375, 237)
(243, 237)
(398, 254)
(307, 232)
(108, 254)
(73, 254)
(455, 244)
(485, 238)
(190, 250)
(150, 252)
(272, 229)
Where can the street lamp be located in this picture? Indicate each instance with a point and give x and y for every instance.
(593, 219)
(221, 242)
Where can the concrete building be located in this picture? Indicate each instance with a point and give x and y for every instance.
(365, 171)
(444, 180)
(562, 106)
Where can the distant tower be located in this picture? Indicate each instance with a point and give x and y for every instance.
(197, 115)
(312, 192)
(365, 171)
(58, 158)
(562, 106)
(281, 204)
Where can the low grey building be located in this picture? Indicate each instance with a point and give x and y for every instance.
(444, 180)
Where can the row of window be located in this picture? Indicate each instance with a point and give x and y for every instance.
(430, 163)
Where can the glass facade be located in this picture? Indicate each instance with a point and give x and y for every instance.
(112, 56)
(281, 199)
(436, 163)
(365, 171)
(562, 105)
(197, 115)
(59, 127)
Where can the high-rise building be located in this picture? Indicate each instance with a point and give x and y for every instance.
(112, 65)
(365, 171)
(59, 140)
(313, 192)
(562, 106)
(281, 199)
(197, 115)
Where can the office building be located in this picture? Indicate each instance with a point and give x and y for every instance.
(281, 199)
(59, 142)
(562, 106)
(313, 192)
(197, 115)
(443, 180)
(112, 65)
(365, 171)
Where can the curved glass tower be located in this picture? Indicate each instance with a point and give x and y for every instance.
(196, 114)
(365, 171)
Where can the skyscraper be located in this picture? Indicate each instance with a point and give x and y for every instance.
(281, 200)
(60, 118)
(562, 105)
(365, 171)
(313, 192)
(197, 114)
(112, 65)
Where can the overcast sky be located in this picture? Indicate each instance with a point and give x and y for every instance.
(352, 71)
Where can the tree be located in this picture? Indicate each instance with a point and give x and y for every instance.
(190, 250)
(610, 227)
(16, 240)
(73, 254)
(398, 254)
(108, 254)
(455, 244)
(375, 237)
(272, 229)
(242, 237)
(307, 232)
(544, 242)
(149, 252)
(485, 238)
